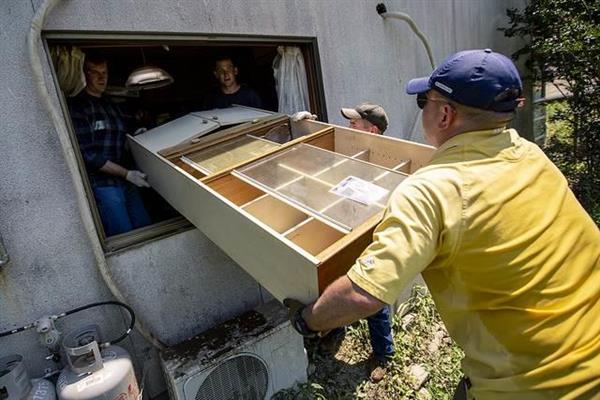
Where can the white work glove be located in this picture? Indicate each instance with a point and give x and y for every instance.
(137, 178)
(300, 115)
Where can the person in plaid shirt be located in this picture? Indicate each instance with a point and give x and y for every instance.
(101, 127)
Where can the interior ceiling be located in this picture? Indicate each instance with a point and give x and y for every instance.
(125, 58)
(191, 67)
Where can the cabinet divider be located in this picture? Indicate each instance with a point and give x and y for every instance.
(295, 227)
(254, 200)
(402, 164)
(360, 154)
(192, 164)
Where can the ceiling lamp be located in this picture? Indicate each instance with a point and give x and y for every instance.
(148, 77)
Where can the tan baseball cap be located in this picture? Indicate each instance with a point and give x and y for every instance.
(373, 113)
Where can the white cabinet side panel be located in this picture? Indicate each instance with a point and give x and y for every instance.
(275, 265)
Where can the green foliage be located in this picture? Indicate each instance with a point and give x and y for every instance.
(559, 147)
(344, 376)
(563, 44)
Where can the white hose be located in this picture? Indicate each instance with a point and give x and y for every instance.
(34, 45)
(408, 19)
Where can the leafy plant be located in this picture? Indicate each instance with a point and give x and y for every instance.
(563, 46)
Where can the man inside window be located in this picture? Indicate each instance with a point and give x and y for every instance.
(230, 91)
(101, 129)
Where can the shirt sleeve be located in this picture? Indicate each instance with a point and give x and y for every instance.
(404, 243)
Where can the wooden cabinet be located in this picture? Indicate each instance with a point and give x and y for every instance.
(293, 203)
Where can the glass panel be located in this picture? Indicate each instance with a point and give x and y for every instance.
(227, 154)
(351, 212)
(279, 134)
(304, 175)
(389, 180)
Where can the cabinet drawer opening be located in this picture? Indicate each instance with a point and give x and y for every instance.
(210, 160)
(275, 213)
(195, 172)
(341, 191)
(383, 151)
(235, 190)
(305, 231)
(314, 236)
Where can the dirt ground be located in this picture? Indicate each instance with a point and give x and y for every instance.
(426, 364)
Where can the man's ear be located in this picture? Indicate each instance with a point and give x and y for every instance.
(448, 116)
(235, 71)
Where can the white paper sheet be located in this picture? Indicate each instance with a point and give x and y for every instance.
(359, 190)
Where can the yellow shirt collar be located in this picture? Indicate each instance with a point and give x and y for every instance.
(489, 141)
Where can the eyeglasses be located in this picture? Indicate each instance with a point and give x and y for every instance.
(422, 100)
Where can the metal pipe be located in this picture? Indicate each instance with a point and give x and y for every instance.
(34, 45)
(382, 10)
(4, 257)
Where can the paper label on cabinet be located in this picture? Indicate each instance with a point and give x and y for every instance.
(359, 190)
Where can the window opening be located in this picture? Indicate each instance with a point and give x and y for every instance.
(199, 69)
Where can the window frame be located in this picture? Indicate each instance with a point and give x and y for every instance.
(178, 224)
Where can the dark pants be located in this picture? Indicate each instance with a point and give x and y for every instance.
(121, 208)
(462, 389)
(380, 330)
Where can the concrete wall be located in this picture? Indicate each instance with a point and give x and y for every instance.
(183, 284)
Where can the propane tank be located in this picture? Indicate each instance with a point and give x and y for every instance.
(92, 373)
(16, 385)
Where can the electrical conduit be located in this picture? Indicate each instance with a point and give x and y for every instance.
(34, 45)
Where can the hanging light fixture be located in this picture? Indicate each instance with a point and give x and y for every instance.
(148, 77)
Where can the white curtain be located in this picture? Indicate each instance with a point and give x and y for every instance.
(68, 64)
(290, 78)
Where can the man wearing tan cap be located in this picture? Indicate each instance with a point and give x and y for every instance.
(371, 118)
(367, 117)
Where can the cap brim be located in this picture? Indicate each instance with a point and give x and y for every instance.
(418, 85)
(350, 113)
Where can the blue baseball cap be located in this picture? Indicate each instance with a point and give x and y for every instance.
(476, 78)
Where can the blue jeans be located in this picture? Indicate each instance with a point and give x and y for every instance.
(380, 330)
(121, 208)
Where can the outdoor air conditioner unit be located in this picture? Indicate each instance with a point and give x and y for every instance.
(250, 357)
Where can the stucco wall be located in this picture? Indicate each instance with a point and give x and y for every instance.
(183, 283)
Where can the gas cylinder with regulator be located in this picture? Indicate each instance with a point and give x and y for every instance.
(95, 370)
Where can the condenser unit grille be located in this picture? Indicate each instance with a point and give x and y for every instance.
(242, 377)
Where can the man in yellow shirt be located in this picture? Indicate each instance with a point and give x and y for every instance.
(510, 257)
